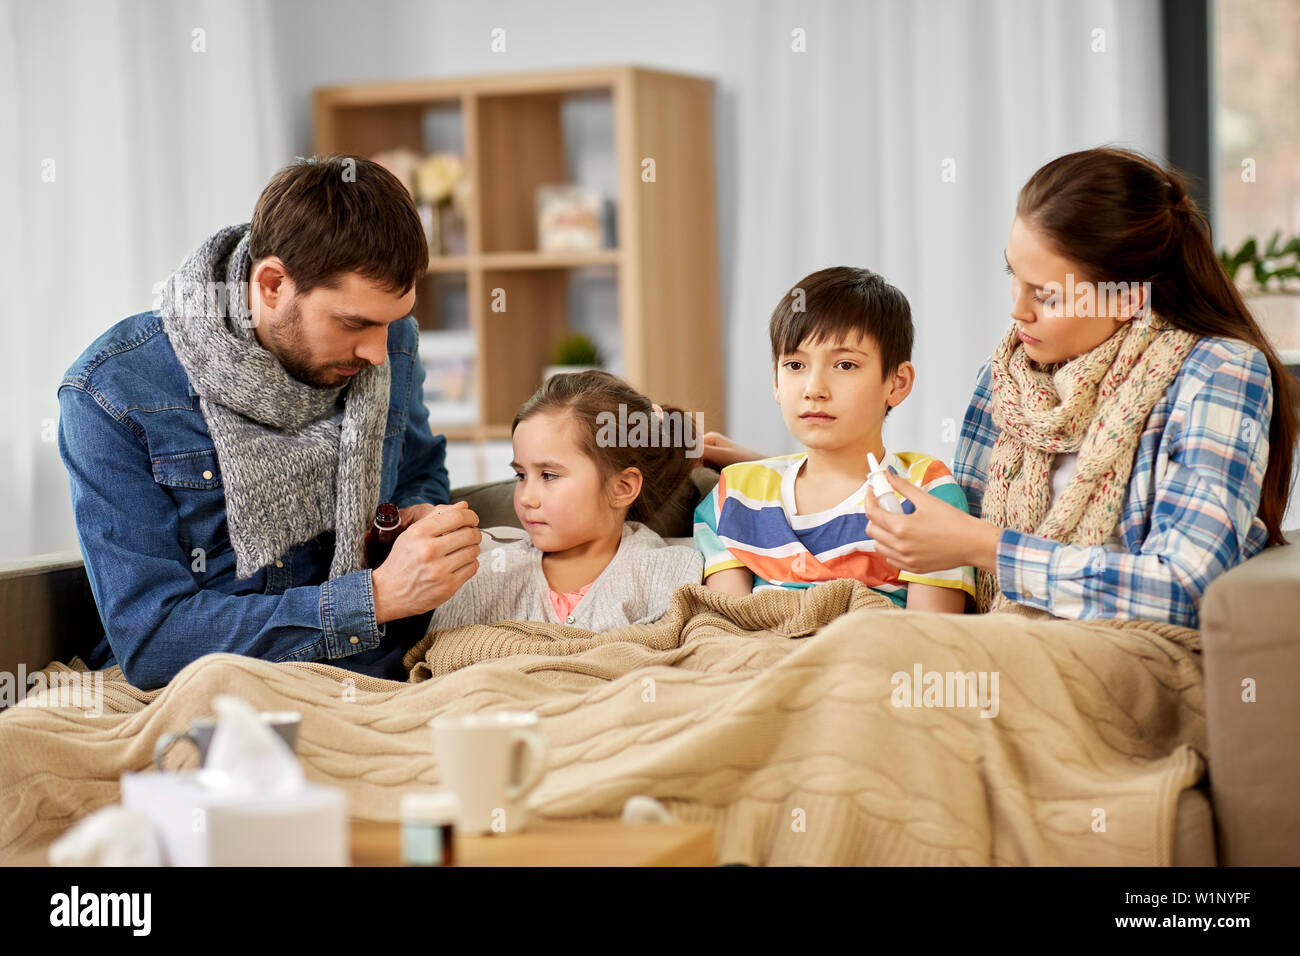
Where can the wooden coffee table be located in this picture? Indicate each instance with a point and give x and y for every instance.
(596, 843)
(586, 843)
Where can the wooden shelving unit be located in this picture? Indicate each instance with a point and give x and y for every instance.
(665, 264)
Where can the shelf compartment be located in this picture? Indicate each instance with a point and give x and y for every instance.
(591, 128)
(540, 139)
(518, 340)
(450, 360)
(442, 301)
(520, 147)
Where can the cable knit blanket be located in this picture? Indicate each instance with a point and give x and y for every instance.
(818, 726)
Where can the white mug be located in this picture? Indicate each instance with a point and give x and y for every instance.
(283, 722)
(491, 762)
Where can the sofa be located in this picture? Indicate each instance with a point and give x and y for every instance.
(1247, 815)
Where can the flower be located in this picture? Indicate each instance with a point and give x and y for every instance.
(437, 176)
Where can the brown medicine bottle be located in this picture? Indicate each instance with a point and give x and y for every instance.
(382, 534)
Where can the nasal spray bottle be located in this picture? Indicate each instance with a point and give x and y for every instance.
(878, 479)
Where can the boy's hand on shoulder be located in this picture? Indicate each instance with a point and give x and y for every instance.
(719, 451)
(934, 537)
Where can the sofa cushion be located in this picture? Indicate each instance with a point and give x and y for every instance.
(1248, 633)
(494, 503)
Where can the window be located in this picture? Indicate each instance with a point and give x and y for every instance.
(1256, 163)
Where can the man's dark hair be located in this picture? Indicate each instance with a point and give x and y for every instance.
(327, 216)
(839, 301)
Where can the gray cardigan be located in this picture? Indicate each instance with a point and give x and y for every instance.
(634, 588)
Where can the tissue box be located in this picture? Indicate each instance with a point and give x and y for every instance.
(202, 827)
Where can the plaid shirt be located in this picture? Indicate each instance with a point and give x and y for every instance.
(1190, 513)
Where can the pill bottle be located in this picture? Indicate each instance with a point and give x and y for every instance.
(428, 828)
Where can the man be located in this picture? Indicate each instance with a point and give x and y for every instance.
(227, 450)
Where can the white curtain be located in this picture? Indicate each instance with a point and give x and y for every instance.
(839, 156)
(830, 156)
(127, 138)
(827, 157)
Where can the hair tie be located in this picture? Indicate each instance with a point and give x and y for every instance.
(1182, 202)
(658, 410)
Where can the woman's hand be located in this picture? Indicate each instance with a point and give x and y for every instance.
(934, 537)
(719, 451)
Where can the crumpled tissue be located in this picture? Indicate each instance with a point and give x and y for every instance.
(111, 836)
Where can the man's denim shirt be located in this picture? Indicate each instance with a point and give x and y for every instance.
(151, 518)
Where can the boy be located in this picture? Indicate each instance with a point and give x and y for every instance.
(841, 350)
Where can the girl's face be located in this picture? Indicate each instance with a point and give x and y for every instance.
(1054, 325)
(560, 498)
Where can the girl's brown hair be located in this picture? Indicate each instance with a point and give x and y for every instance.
(592, 398)
(1126, 219)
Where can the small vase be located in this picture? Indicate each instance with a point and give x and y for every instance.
(431, 221)
(451, 230)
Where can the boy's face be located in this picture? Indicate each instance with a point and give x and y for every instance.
(831, 393)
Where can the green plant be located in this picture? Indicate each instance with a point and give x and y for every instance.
(575, 349)
(1270, 269)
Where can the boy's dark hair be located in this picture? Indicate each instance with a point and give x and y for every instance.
(839, 301)
(329, 215)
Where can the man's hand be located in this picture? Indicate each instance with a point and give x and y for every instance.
(411, 514)
(436, 555)
(719, 451)
(934, 537)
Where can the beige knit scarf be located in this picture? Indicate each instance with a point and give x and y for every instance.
(1096, 404)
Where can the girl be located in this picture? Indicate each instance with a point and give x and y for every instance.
(582, 492)
(1122, 451)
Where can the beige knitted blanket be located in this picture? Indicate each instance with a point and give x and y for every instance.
(786, 719)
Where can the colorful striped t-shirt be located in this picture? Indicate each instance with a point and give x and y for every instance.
(750, 520)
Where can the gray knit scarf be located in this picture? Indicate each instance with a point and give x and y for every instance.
(293, 464)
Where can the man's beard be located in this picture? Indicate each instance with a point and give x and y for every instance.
(294, 354)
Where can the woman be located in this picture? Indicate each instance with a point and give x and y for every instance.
(1132, 436)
